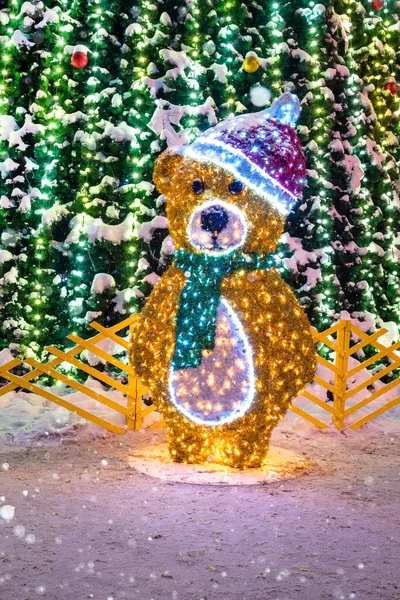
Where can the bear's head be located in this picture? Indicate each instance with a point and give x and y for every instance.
(234, 185)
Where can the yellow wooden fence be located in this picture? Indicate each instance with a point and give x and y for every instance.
(132, 390)
(343, 340)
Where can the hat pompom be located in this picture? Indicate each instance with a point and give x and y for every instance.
(285, 110)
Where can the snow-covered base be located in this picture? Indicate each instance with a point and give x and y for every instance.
(26, 417)
(154, 460)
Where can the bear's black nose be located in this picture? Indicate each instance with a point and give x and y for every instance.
(214, 219)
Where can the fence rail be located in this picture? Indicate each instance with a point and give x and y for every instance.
(336, 376)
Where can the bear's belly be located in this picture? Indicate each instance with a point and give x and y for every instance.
(222, 388)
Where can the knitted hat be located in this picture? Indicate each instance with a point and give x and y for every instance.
(261, 149)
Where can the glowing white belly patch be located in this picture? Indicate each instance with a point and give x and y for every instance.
(222, 388)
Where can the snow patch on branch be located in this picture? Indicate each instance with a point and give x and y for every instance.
(220, 72)
(102, 282)
(78, 48)
(353, 166)
(20, 40)
(54, 214)
(133, 29)
(376, 156)
(106, 182)
(302, 258)
(146, 230)
(164, 117)
(301, 55)
(7, 166)
(98, 231)
(167, 115)
(49, 16)
(119, 133)
(15, 136)
(69, 119)
(5, 256)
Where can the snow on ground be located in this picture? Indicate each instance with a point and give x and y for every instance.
(25, 417)
(77, 522)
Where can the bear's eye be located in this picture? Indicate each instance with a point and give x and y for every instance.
(197, 186)
(236, 187)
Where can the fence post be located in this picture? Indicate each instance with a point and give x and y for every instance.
(134, 399)
(341, 362)
(131, 402)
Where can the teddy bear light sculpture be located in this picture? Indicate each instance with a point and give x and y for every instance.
(222, 343)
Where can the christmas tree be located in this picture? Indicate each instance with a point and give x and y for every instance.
(92, 92)
(343, 236)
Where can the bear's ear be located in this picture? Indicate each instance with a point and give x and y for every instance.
(164, 169)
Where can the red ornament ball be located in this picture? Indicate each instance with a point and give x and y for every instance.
(79, 59)
(392, 87)
(378, 4)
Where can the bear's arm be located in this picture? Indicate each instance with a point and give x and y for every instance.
(153, 335)
(291, 336)
(280, 333)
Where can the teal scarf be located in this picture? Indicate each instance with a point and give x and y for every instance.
(198, 304)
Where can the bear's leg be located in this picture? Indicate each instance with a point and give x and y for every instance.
(244, 447)
(188, 442)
